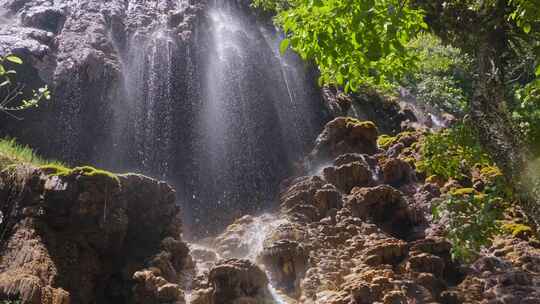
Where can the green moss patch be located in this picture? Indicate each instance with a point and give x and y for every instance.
(385, 141)
(353, 122)
(518, 230)
(86, 172)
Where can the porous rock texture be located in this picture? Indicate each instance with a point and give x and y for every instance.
(79, 238)
(374, 241)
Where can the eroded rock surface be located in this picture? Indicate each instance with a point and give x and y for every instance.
(80, 238)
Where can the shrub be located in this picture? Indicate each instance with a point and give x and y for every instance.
(451, 153)
(471, 219)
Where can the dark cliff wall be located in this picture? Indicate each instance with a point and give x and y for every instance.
(131, 82)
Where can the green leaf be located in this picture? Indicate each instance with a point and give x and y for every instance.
(527, 28)
(537, 71)
(284, 45)
(14, 59)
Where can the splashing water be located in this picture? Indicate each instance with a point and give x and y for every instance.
(253, 239)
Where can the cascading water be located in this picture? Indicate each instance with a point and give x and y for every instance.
(258, 112)
(194, 94)
(252, 242)
(149, 90)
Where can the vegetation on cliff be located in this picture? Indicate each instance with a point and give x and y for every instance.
(13, 94)
(489, 76)
(13, 153)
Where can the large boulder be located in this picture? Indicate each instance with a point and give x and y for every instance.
(344, 135)
(348, 176)
(238, 281)
(384, 206)
(68, 233)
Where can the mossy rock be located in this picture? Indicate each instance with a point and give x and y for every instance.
(86, 172)
(463, 192)
(53, 169)
(386, 141)
(435, 179)
(521, 231)
(351, 122)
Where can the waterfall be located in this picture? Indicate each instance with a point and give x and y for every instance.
(150, 101)
(191, 93)
(258, 113)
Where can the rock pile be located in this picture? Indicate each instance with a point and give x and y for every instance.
(360, 231)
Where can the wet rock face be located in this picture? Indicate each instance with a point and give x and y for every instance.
(238, 281)
(287, 262)
(66, 237)
(79, 48)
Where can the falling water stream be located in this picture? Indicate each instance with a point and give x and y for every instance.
(253, 240)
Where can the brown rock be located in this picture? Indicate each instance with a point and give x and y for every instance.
(347, 176)
(236, 280)
(344, 135)
(287, 263)
(396, 172)
(82, 233)
(383, 205)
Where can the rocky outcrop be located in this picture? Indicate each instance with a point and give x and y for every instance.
(287, 262)
(386, 112)
(507, 273)
(234, 281)
(374, 243)
(344, 135)
(382, 205)
(348, 176)
(87, 236)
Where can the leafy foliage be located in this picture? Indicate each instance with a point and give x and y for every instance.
(451, 153)
(526, 114)
(471, 219)
(352, 42)
(443, 78)
(12, 93)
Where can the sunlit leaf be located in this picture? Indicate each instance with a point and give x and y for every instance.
(14, 59)
(284, 45)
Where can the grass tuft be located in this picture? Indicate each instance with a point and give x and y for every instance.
(13, 153)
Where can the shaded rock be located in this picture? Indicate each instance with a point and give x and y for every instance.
(385, 111)
(287, 263)
(348, 176)
(70, 235)
(396, 172)
(298, 200)
(45, 18)
(384, 206)
(425, 262)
